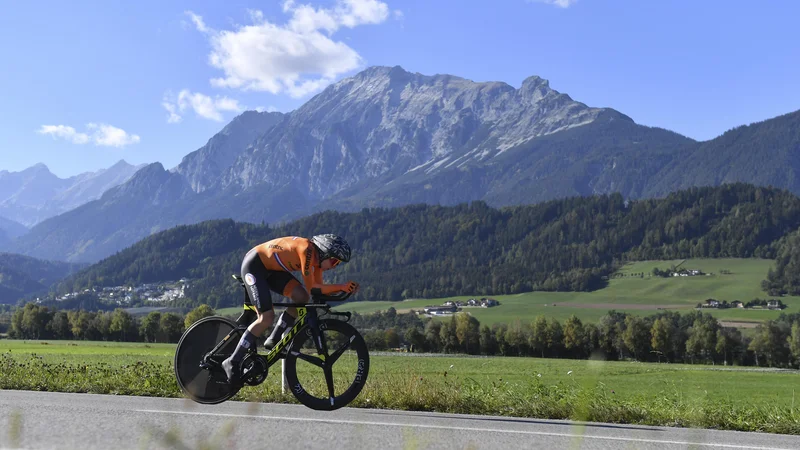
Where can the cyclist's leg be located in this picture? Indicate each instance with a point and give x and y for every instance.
(286, 284)
(255, 276)
(299, 295)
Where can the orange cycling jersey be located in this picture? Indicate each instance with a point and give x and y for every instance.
(294, 253)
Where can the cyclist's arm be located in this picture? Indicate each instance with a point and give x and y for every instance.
(325, 289)
(312, 274)
(307, 259)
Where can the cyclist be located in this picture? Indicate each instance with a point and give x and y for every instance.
(268, 266)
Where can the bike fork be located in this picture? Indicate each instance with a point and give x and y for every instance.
(322, 351)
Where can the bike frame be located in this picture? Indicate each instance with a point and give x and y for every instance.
(306, 317)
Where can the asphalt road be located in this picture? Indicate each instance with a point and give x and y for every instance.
(43, 420)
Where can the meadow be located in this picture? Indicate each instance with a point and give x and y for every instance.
(622, 392)
(628, 292)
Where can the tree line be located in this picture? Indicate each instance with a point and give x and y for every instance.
(668, 336)
(425, 251)
(35, 321)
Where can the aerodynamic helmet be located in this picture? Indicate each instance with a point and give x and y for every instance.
(331, 245)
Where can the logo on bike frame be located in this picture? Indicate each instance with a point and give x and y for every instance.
(299, 322)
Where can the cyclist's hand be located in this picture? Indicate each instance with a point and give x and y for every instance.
(351, 287)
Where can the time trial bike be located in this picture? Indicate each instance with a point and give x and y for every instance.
(319, 341)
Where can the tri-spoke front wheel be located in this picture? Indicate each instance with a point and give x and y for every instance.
(330, 373)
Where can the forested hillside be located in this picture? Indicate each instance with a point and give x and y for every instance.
(763, 153)
(10, 230)
(473, 249)
(23, 275)
(785, 278)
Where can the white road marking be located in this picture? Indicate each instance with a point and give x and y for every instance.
(442, 427)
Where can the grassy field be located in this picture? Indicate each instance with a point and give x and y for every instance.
(235, 310)
(629, 293)
(623, 392)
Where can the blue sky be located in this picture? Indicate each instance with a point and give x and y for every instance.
(87, 83)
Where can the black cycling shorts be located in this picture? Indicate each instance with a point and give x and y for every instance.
(260, 281)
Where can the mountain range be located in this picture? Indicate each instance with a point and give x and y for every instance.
(430, 251)
(35, 194)
(387, 137)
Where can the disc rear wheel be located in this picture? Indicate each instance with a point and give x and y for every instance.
(208, 383)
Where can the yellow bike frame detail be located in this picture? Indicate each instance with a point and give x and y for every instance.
(301, 320)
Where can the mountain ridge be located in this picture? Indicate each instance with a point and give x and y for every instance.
(387, 137)
(350, 121)
(203, 166)
(766, 152)
(35, 194)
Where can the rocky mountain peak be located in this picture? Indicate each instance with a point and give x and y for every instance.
(534, 81)
(380, 71)
(535, 88)
(35, 194)
(203, 167)
(388, 120)
(251, 119)
(151, 185)
(120, 164)
(36, 170)
(152, 174)
(150, 170)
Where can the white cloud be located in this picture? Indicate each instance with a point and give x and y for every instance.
(307, 19)
(172, 109)
(255, 15)
(560, 3)
(101, 135)
(266, 109)
(110, 136)
(64, 132)
(352, 13)
(198, 22)
(298, 57)
(203, 105)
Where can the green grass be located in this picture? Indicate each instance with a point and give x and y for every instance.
(88, 348)
(629, 294)
(621, 392)
(232, 311)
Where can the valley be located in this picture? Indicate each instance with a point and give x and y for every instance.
(629, 292)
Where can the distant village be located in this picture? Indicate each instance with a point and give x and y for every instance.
(125, 295)
(660, 273)
(752, 304)
(678, 273)
(452, 307)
